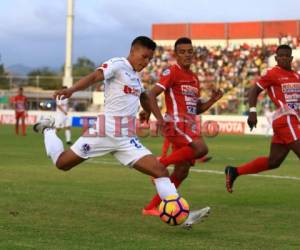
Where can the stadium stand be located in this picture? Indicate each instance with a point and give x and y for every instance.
(232, 65)
(233, 69)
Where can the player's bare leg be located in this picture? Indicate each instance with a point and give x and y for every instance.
(23, 126)
(199, 147)
(181, 172)
(150, 166)
(67, 160)
(278, 152)
(295, 146)
(17, 126)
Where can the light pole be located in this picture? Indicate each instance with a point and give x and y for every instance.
(68, 78)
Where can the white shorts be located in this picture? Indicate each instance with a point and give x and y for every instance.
(62, 121)
(126, 150)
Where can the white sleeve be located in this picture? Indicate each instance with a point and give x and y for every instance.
(109, 69)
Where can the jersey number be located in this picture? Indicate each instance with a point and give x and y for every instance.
(192, 110)
(135, 142)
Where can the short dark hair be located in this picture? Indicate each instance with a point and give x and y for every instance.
(283, 46)
(182, 40)
(145, 42)
(20, 88)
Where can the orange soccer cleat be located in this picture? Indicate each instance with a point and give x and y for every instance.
(153, 212)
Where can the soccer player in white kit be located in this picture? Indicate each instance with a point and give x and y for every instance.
(62, 120)
(123, 91)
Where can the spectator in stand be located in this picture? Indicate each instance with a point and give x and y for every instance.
(234, 68)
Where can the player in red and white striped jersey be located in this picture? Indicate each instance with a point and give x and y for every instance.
(283, 87)
(182, 91)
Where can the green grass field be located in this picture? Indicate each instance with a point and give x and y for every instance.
(97, 205)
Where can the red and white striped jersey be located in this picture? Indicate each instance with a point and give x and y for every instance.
(283, 87)
(182, 91)
(20, 103)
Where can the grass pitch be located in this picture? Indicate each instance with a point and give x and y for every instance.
(97, 205)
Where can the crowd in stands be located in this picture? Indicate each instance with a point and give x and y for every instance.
(233, 69)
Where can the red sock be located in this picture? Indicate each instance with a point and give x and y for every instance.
(156, 199)
(165, 148)
(184, 154)
(23, 128)
(258, 165)
(17, 129)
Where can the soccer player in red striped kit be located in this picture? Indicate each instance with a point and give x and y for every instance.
(283, 87)
(20, 106)
(182, 91)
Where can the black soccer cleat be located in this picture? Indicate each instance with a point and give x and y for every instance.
(231, 175)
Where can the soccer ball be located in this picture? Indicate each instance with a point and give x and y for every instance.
(174, 210)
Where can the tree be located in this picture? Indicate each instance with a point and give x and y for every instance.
(4, 81)
(82, 67)
(45, 78)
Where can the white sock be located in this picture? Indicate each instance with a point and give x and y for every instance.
(54, 146)
(165, 187)
(68, 135)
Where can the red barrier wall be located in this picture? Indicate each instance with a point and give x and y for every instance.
(241, 30)
(207, 31)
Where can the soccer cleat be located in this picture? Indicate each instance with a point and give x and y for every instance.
(195, 217)
(153, 212)
(231, 175)
(43, 123)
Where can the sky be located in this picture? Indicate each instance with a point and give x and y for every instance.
(32, 32)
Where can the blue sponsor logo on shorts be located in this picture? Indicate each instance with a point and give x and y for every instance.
(85, 148)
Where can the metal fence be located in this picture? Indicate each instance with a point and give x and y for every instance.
(40, 90)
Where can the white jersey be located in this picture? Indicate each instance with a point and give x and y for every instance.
(122, 88)
(64, 104)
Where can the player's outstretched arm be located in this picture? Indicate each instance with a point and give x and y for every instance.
(144, 100)
(203, 106)
(82, 84)
(252, 117)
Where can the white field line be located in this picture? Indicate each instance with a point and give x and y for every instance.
(94, 161)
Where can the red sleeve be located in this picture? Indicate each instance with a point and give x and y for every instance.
(166, 79)
(266, 80)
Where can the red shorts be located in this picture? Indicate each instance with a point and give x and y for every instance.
(287, 130)
(180, 134)
(20, 115)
